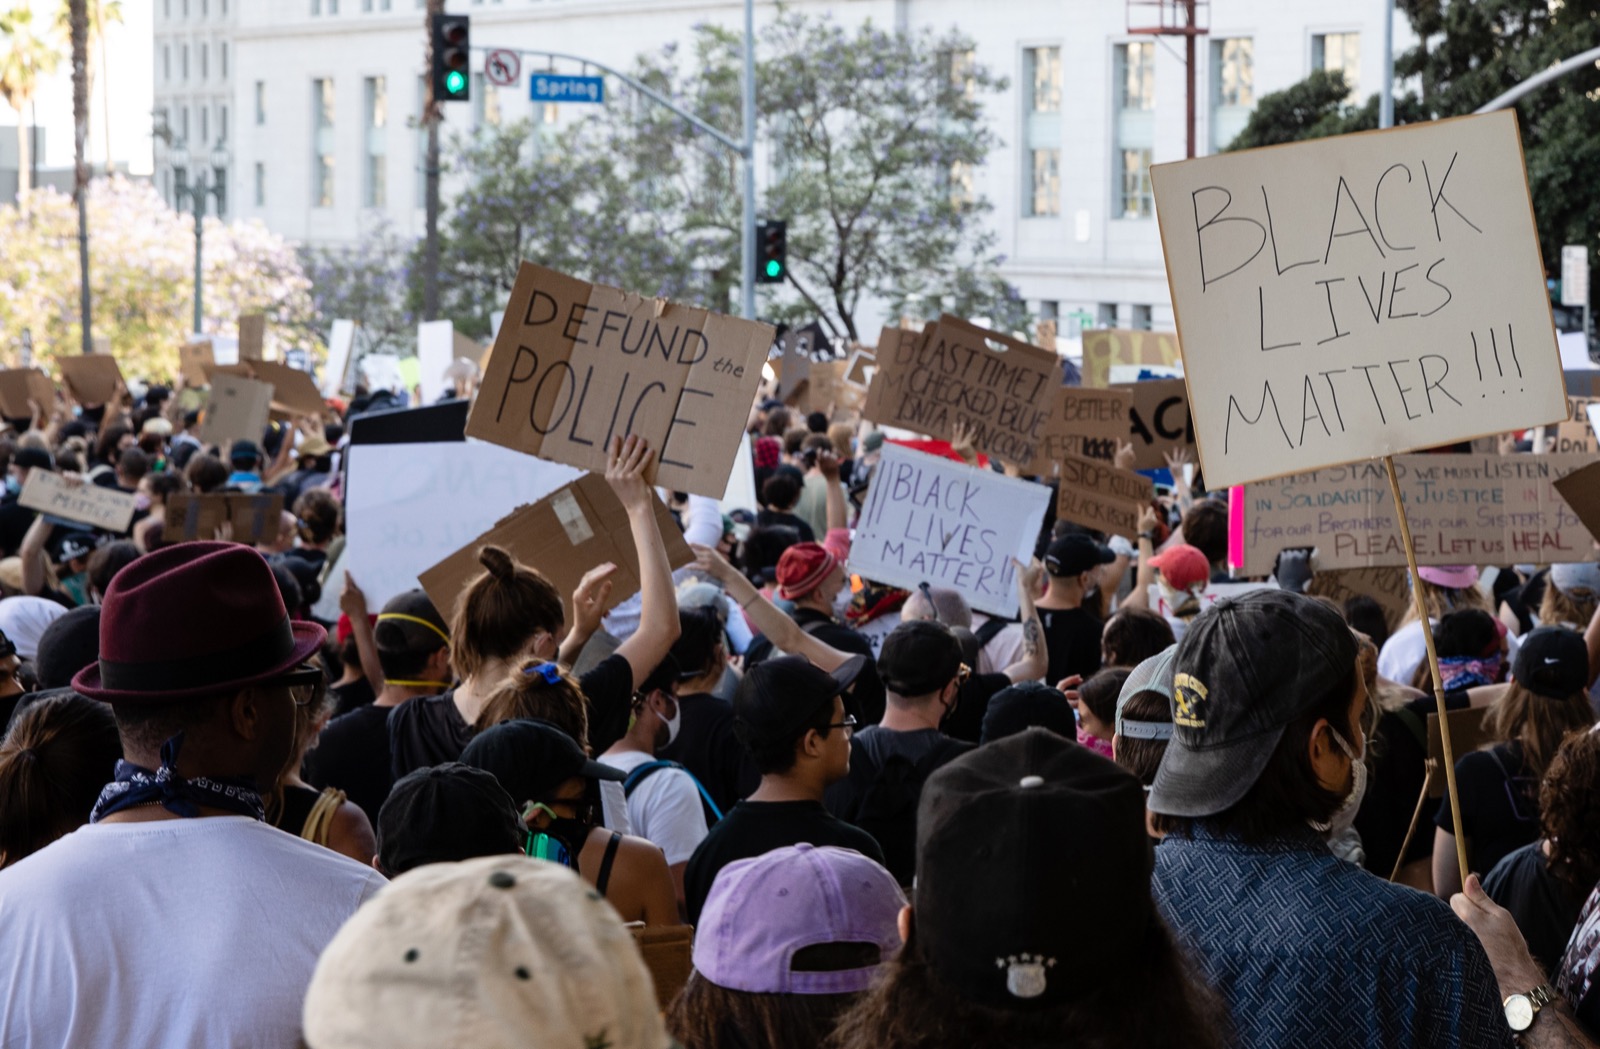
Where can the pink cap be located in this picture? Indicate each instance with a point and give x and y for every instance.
(1182, 566)
(1451, 577)
(762, 911)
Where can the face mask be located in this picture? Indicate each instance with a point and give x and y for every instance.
(13, 485)
(1345, 816)
(673, 723)
(841, 602)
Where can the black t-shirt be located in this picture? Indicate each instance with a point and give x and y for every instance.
(754, 828)
(892, 796)
(15, 520)
(1499, 804)
(352, 753)
(430, 730)
(1072, 638)
(972, 702)
(1399, 748)
(782, 517)
(353, 694)
(1545, 907)
(709, 749)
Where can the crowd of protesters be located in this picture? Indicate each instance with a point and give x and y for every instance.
(772, 803)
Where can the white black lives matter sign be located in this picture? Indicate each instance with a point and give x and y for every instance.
(1358, 296)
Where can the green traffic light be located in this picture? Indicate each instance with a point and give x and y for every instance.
(774, 268)
(455, 82)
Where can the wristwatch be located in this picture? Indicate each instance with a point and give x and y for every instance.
(1523, 1009)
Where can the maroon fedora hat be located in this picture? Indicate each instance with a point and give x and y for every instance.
(193, 620)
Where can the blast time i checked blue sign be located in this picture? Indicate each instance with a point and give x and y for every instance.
(547, 87)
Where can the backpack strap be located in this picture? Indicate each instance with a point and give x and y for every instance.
(604, 877)
(990, 630)
(650, 768)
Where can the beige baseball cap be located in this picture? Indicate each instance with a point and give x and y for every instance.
(493, 953)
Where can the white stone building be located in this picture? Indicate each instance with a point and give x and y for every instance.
(194, 102)
(318, 99)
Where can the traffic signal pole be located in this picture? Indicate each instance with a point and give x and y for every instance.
(745, 149)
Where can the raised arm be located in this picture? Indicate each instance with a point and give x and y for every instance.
(626, 463)
(35, 565)
(353, 603)
(1146, 573)
(1035, 659)
(588, 609)
(784, 633)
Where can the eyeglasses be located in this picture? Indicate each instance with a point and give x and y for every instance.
(848, 724)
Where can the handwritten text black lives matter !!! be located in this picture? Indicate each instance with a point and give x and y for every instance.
(1381, 254)
(580, 397)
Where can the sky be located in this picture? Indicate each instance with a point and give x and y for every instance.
(130, 73)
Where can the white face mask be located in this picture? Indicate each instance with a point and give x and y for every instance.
(673, 723)
(1345, 816)
(841, 602)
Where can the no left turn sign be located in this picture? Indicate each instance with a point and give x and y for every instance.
(502, 68)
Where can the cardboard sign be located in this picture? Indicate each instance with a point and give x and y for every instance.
(253, 518)
(91, 378)
(1159, 422)
(1575, 439)
(1084, 419)
(1581, 492)
(293, 391)
(563, 535)
(20, 385)
(1213, 593)
(1463, 509)
(577, 363)
(105, 508)
(1358, 296)
(237, 410)
(193, 360)
(340, 341)
(1106, 348)
(930, 520)
(1390, 587)
(1100, 496)
(796, 347)
(1001, 388)
(862, 366)
(252, 336)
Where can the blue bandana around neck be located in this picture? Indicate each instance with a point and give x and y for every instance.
(135, 785)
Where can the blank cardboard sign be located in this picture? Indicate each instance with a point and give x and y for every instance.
(194, 358)
(577, 363)
(237, 410)
(1358, 296)
(18, 386)
(253, 518)
(91, 377)
(563, 535)
(252, 336)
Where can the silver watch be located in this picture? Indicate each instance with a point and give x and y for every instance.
(1523, 1009)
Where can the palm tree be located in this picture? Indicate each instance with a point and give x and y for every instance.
(78, 25)
(27, 57)
(101, 13)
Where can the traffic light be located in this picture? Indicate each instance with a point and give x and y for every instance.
(772, 251)
(451, 58)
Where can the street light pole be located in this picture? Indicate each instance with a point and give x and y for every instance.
(198, 190)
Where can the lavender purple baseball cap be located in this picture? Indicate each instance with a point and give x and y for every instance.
(761, 912)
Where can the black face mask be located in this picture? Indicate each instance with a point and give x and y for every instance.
(567, 834)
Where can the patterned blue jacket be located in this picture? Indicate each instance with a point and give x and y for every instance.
(1310, 951)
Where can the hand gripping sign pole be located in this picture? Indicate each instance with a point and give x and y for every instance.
(1433, 666)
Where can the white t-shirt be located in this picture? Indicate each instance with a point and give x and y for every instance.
(1406, 650)
(171, 934)
(1004, 649)
(665, 807)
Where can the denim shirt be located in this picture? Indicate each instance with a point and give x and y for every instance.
(1310, 951)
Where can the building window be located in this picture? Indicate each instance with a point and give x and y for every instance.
(166, 63)
(1133, 121)
(375, 189)
(183, 123)
(1339, 52)
(485, 102)
(205, 124)
(261, 184)
(205, 63)
(1233, 92)
(261, 102)
(1141, 317)
(184, 61)
(222, 60)
(222, 123)
(1106, 315)
(322, 143)
(1042, 131)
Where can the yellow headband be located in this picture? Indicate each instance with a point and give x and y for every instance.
(415, 619)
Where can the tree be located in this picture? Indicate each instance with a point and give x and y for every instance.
(365, 283)
(99, 14)
(143, 280)
(870, 138)
(28, 57)
(78, 23)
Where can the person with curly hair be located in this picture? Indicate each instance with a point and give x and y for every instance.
(1544, 884)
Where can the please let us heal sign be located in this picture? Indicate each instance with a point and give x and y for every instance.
(1359, 296)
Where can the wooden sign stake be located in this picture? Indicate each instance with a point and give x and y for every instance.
(1433, 667)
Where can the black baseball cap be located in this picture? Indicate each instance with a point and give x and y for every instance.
(778, 696)
(531, 758)
(33, 458)
(443, 814)
(244, 452)
(1245, 669)
(919, 656)
(1025, 705)
(66, 646)
(1553, 662)
(1075, 553)
(1012, 838)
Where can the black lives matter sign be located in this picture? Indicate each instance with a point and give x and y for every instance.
(1358, 296)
